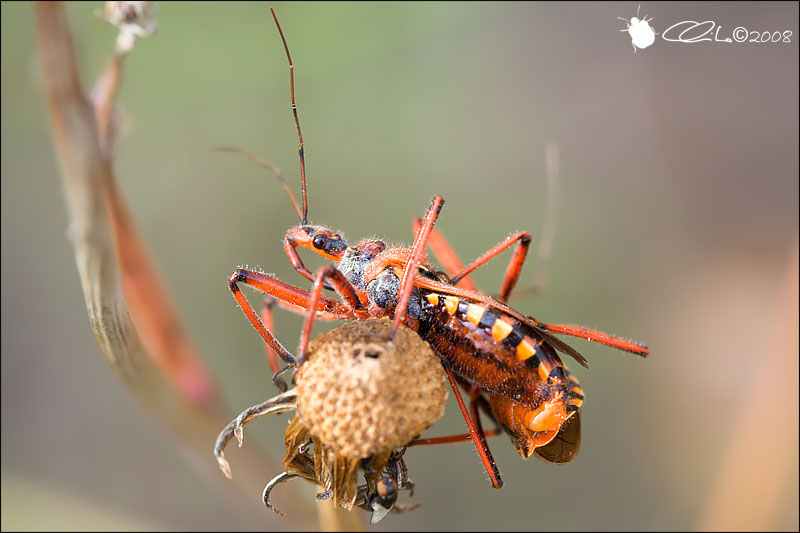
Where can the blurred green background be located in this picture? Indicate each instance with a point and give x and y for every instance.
(677, 225)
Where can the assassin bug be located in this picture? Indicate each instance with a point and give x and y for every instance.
(506, 361)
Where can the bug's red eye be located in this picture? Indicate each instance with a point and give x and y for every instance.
(319, 241)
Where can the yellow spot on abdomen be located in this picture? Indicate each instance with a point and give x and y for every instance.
(433, 299)
(544, 371)
(500, 329)
(474, 313)
(451, 303)
(525, 350)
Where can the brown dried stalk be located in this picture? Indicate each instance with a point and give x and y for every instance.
(134, 323)
(765, 430)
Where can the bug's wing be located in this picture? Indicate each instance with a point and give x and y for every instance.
(561, 346)
(564, 447)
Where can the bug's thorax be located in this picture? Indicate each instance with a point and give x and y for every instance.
(355, 260)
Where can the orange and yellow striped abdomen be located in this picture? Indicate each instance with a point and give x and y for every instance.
(530, 390)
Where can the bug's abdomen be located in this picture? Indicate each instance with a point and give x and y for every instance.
(529, 388)
(529, 427)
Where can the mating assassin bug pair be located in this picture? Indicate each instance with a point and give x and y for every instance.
(506, 361)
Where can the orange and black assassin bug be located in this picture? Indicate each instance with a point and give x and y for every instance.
(506, 361)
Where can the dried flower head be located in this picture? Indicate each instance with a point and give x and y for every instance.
(358, 398)
(361, 394)
(134, 19)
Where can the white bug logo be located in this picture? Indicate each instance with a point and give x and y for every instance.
(642, 34)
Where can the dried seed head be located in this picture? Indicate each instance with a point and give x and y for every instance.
(361, 394)
(134, 20)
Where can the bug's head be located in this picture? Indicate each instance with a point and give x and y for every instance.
(319, 239)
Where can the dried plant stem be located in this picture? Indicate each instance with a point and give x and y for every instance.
(334, 518)
(765, 431)
(133, 321)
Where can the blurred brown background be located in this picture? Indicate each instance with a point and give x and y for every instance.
(677, 225)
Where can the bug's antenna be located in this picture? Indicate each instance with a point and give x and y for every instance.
(266, 166)
(304, 218)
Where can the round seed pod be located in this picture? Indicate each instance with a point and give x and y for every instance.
(360, 393)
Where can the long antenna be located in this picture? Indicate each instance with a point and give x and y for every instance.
(266, 166)
(296, 120)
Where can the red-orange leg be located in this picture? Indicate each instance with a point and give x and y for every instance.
(266, 319)
(474, 391)
(285, 292)
(451, 439)
(414, 260)
(294, 258)
(343, 287)
(523, 240)
(290, 247)
(477, 435)
(597, 336)
(460, 275)
(296, 309)
(445, 255)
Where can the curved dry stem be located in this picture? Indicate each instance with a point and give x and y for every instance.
(278, 404)
(133, 321)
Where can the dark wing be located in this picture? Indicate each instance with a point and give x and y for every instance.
(560, 345)
(564, 448)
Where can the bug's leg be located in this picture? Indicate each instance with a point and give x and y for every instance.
(445, 255)
(343, 287)
(410, 270)
(450, 439)
(299, 310)
(523, 240)
(477, 401)
(402, 474)
(283, 291)
(478, 437)
(290, 247)
(597, 336)
(476, 397)
(266, 318)
(277, 376)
